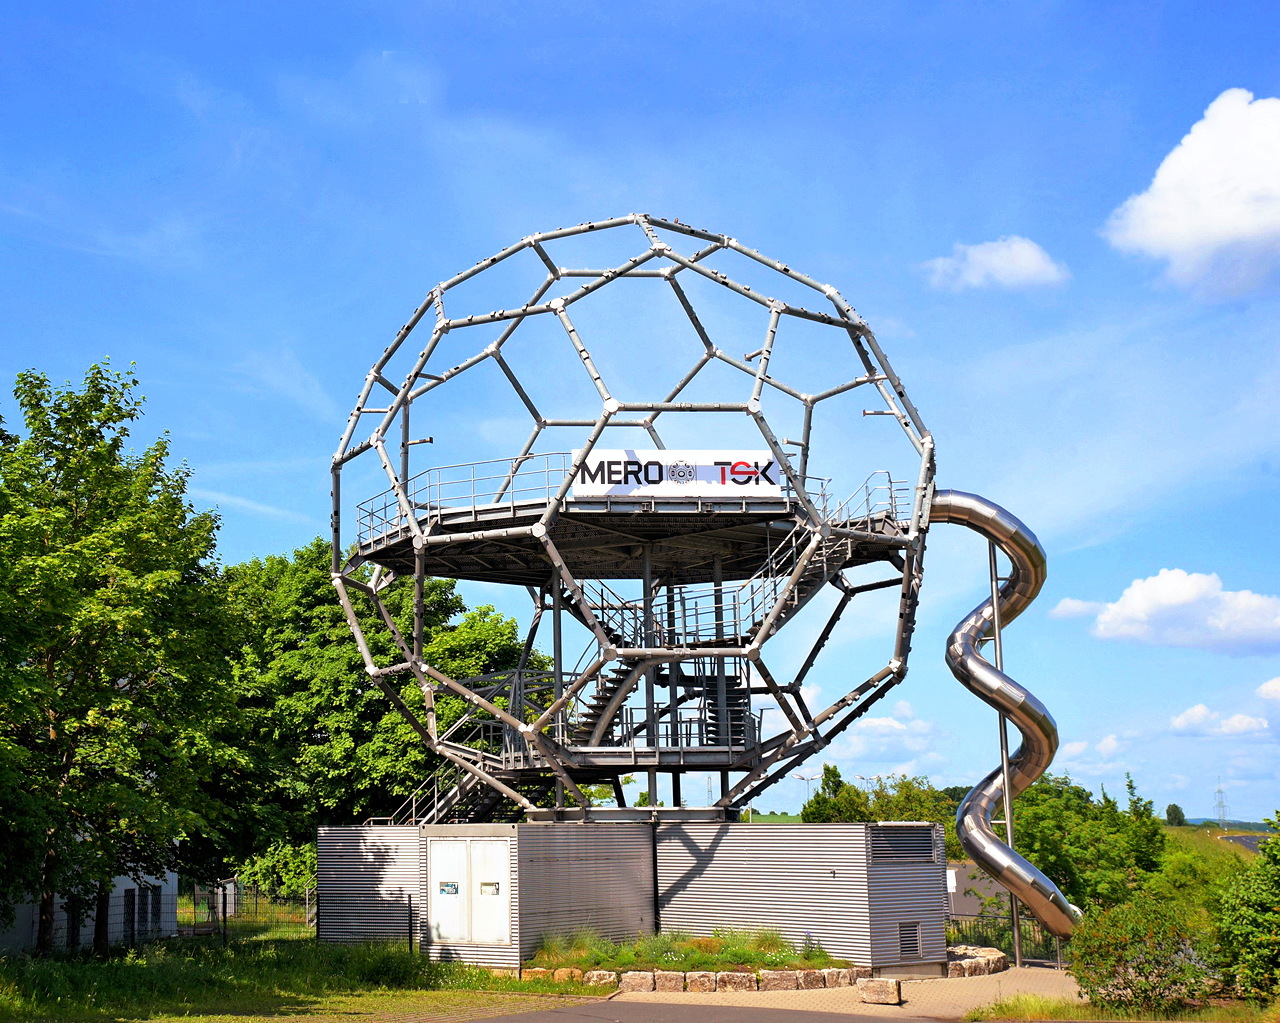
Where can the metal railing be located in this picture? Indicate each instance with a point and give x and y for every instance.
(536, 478)
(704, 613)
(692, 728)
(997, 932)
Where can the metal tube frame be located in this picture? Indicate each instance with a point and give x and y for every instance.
(555, 728)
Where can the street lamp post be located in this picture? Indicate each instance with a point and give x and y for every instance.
(808, 779)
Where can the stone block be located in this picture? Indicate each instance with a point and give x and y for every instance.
(880, 990)
(635, 980)
(955, 968)
(668, 980)
(777, 980)
(837, 977)
(700, 980)
(567, 975)
(535, 973)
(605, 978)
(857, 972)
(807, 980)
(735, 981)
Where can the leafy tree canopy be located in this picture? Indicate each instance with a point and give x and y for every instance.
(114, 697)
(1249, 924)
(895, 798)
(330, 749)
(1096, 852)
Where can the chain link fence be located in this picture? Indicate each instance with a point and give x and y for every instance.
(142, 913)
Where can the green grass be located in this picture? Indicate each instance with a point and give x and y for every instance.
(1205, 842)
(1038, 1007)
(725, 949)
(197, 977)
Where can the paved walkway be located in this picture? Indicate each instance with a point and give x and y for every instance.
(615, 1011)
(936, 999)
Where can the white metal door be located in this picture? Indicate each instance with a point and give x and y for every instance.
(490, 890)
(448, 892)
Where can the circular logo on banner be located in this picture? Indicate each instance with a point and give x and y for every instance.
(682, 472)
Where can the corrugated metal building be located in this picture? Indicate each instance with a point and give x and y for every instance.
(874, 894)
(491, 891)
(368, 883)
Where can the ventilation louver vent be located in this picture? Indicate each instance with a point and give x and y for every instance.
(908, 941)
(902, 844)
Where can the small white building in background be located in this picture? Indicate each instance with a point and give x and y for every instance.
(137, 912)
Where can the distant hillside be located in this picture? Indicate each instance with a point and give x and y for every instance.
(1231, 825)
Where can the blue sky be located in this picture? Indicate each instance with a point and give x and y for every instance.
(248, 200)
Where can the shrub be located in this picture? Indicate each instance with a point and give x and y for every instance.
(1141, 955)
(1249, 924)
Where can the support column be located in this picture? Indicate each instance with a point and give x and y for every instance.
(722, 684)
(1004, 746)
(557, 655)
(650, 675)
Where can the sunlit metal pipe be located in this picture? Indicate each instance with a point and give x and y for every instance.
(1039, 732)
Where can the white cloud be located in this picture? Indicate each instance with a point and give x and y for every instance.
(1241, 724)
(1186, 609)
(1203, 721)
(1073, 749)
(1108, 745)
(1069, 607)
(1213, 209)
(883, 739)
(1193, 717)
(1269, 690)
(1009, 262)
(281, 372)
(217, 497)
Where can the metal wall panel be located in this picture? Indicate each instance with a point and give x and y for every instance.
(809, 880)
(580, 876)
(802, 879)
(367, 883)
(497, 955)
(907, 873)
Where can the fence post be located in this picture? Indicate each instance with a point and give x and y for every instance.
(224, 916)
(411, 921)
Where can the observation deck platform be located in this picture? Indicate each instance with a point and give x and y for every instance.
(476, 522)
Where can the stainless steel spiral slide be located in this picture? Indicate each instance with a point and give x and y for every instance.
(991, 685)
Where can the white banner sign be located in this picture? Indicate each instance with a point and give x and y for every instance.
(657, 474)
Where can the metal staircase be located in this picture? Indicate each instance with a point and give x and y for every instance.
(452, 795)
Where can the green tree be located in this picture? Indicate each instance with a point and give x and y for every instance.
(329, 747)
(1174, 817)
(1249, 922)
(115, 685)
(836, 801)
(896, 798)
(1096, 853)
(283, 869)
